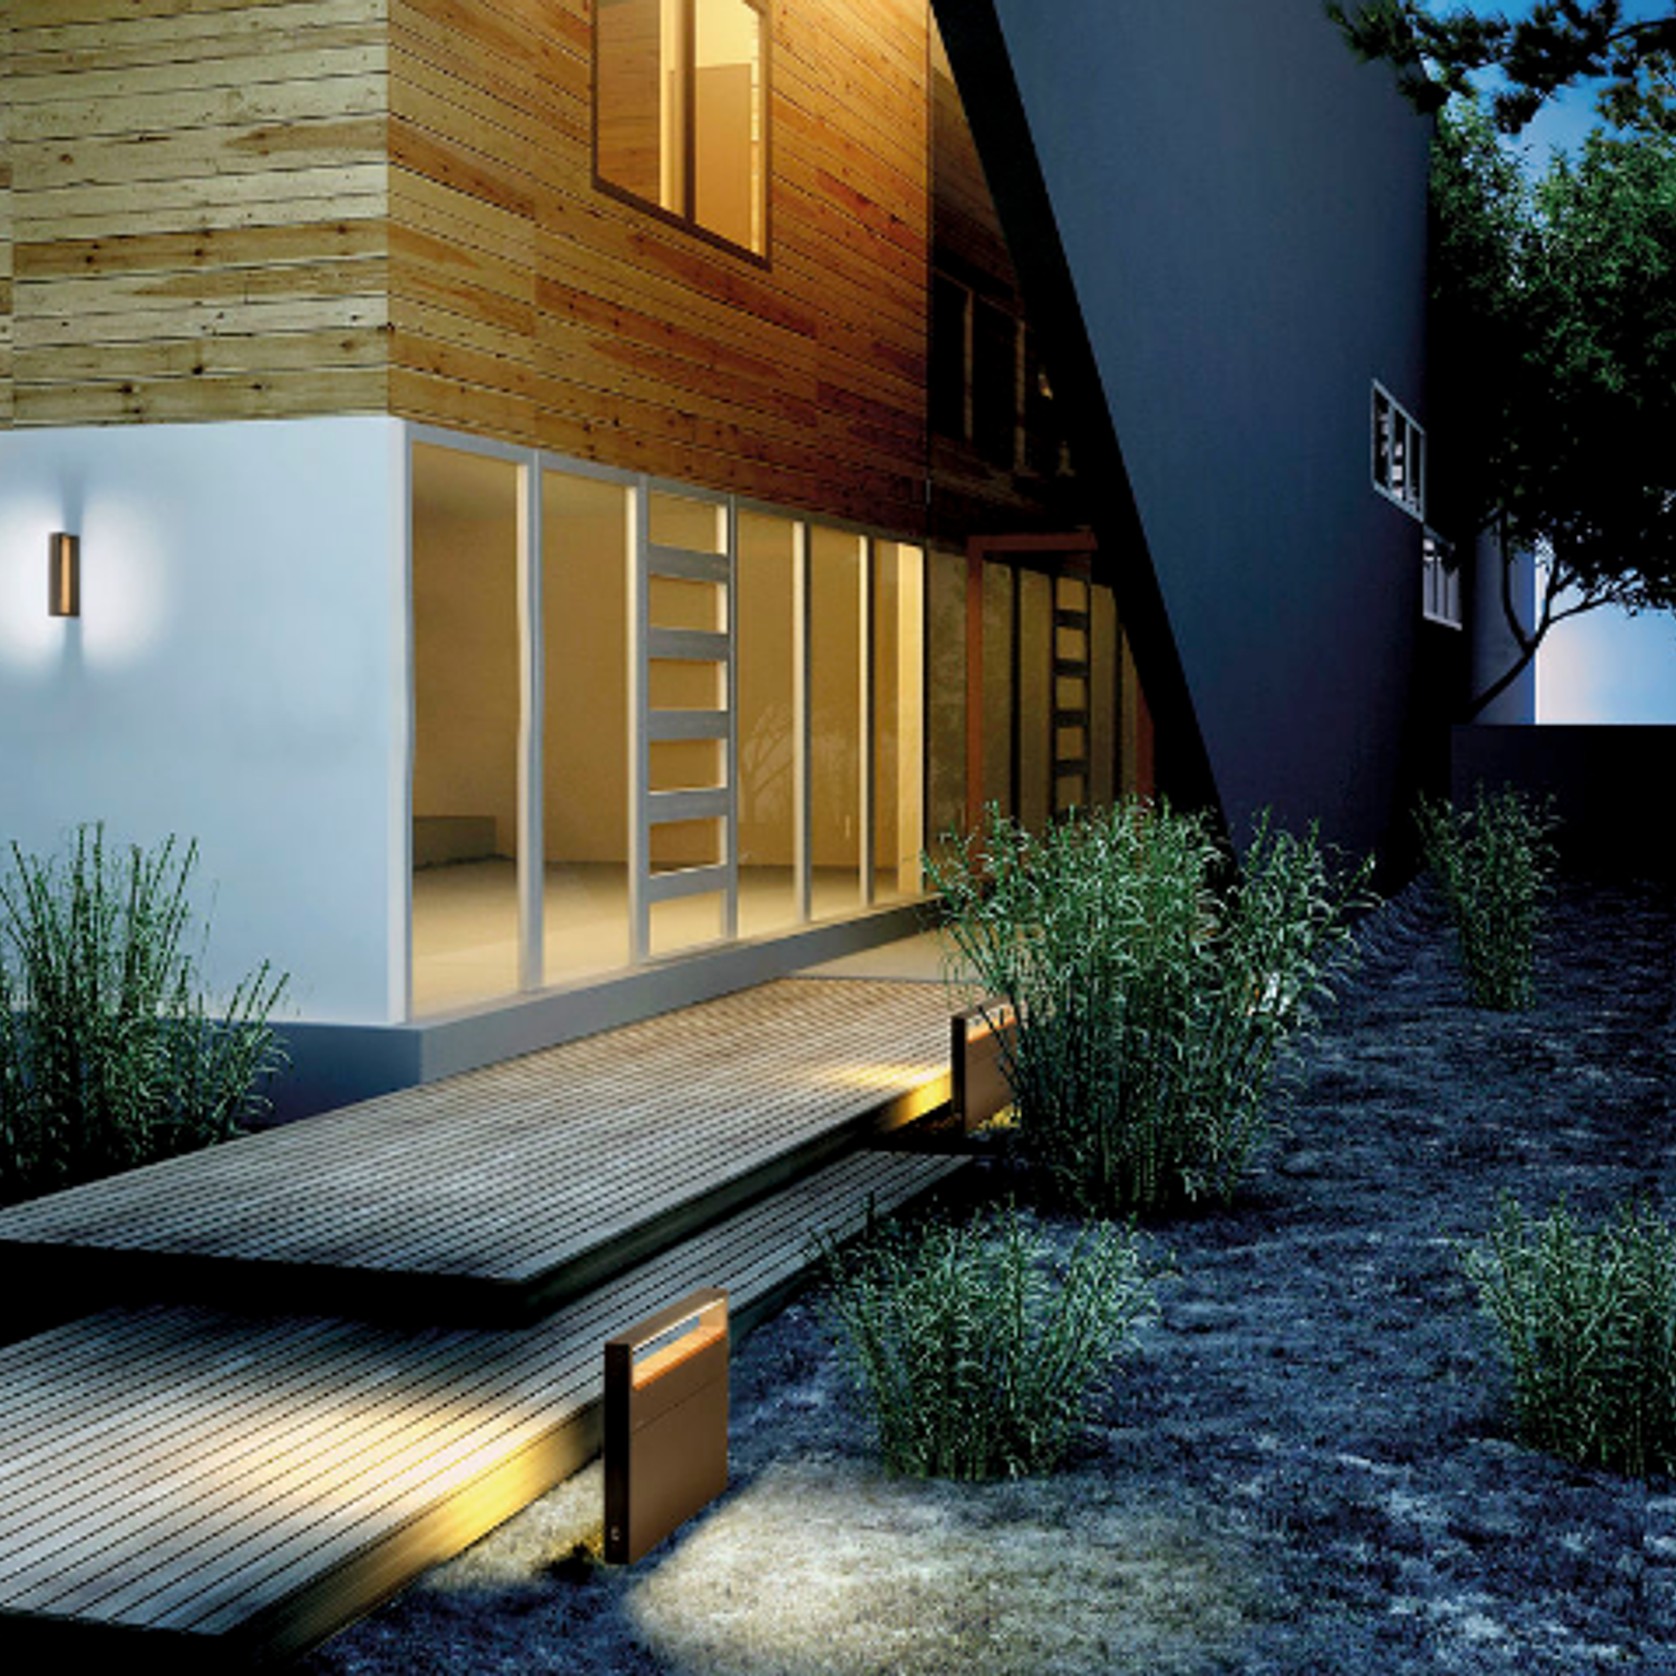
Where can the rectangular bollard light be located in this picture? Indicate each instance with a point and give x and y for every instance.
(979, 1085)
(665, 1422)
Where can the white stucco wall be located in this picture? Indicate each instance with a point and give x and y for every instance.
(237, 676)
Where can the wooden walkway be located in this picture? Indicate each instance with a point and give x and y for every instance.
(493, 1196)
(215, 1488)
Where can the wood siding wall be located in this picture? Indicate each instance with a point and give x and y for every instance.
(972, 493)
(528, 304)
(199, 202)
(5, 217)
(230, 210)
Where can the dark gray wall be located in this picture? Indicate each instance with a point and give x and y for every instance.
(1242, 211)
(1609, 786)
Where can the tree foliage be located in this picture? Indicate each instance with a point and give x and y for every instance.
(1554, 363)
(1559, 43)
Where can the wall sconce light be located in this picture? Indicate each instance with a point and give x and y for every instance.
(64, 574)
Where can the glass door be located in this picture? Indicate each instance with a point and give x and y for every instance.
(683, 864)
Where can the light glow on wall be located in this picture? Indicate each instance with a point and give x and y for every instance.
(124, 589)
(29, 638)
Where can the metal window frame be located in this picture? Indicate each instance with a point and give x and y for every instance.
(1413, 502)
(646, 726)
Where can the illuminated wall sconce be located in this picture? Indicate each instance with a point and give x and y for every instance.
(64, 574)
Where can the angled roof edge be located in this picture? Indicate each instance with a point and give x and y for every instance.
(977, 51)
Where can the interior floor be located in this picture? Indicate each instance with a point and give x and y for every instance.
(465, 922)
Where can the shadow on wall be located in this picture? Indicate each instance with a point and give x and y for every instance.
(1601, 779)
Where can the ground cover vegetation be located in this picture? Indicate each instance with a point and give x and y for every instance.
(974, 1352)
(1158, 990)
(1494, 863)
(111, 1052)
(1587, 1322)
(1312, 1459)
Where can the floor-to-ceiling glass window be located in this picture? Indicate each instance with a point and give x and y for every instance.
(898, 719)
(585, 732)
(838, 736)
(466, 712)
(770, 716)
(726, 732)
(996, 717)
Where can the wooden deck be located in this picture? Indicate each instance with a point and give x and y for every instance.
(494, 1196)
(218, 1488)
(424, 1283)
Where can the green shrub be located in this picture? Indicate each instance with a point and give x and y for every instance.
(1588, 1325)
(1154, 1004)
(1494, 863)
(975, 1355)
(109, 1053)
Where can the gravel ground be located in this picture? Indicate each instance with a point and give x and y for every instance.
(1303, 1467)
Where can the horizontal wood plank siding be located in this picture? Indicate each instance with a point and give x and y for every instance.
(226, 210)
(5, 214)
(528, 304)
(199, 202)
(968, 244)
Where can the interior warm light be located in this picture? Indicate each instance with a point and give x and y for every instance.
(64, 574)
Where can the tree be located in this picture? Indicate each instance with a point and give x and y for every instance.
(1554, 365)
(1560, 43)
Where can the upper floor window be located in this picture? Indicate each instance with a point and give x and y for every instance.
(1440, 585)
(681, 111)
(1399, 454)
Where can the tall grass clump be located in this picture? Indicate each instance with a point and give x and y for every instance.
(1587, 1322)
(1157, 988)
(975, 1354)
(1494, 863)
(110, 1053)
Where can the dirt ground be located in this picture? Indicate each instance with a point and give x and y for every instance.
(1304, 1466)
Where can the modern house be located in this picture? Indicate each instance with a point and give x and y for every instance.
(573, 495)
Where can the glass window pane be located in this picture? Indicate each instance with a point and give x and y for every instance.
(946, 699)
(835, 745)
(1101, 697)
(994, 384)
(728, 121)
(997, 736)
(1035, 673)
(674, 602)
(768, 556)
(639, 98)
(898, 720)
(678, 844)
(698, 526)
(946, 373)
(1381, 439)
(685, 764)
(686, 922)
(467, 699)
(677, 684)
(584, 529)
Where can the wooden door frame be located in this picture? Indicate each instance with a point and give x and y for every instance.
(1023, 552)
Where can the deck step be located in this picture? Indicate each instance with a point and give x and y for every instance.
(213, 1488)
(491, 1197)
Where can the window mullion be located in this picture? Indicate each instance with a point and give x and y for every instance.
(689, 113)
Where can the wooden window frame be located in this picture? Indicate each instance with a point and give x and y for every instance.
(685, 218)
